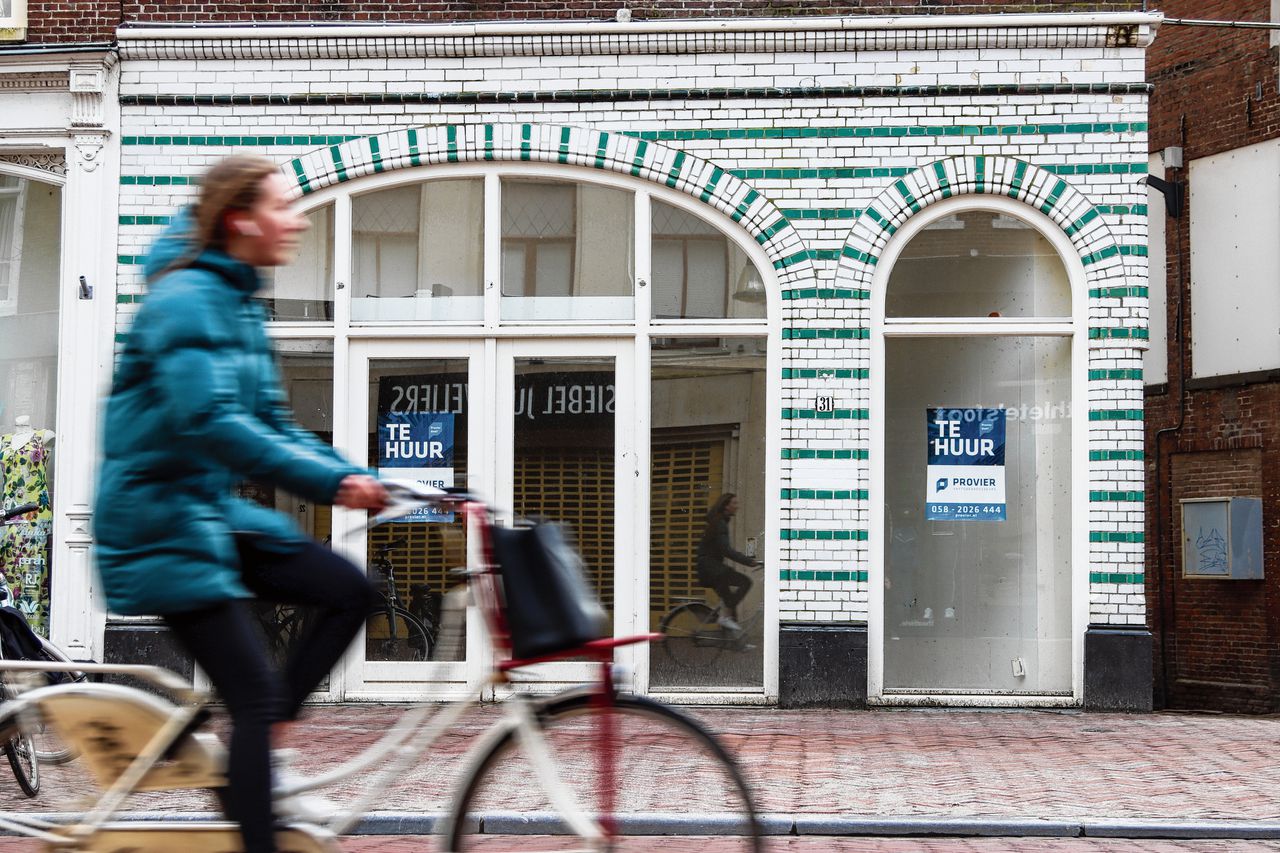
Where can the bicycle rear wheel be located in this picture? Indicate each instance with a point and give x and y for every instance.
(691, 636)
(671, 778)
(394, 633)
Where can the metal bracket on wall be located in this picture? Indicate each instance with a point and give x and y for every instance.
(1173, 192)
(86, 289)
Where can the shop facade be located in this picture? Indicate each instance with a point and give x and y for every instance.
(883, 279)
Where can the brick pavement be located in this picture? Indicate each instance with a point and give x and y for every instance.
(888, 763)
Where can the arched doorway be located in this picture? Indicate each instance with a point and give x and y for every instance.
(979, 335)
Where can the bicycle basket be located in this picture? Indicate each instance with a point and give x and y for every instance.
(549, 605)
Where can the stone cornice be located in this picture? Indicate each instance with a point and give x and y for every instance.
(780, 35)
(35, 81)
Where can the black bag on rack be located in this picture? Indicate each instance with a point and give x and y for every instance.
(549, 605)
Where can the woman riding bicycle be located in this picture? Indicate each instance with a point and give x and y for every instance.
(713, 549)
(195, 407)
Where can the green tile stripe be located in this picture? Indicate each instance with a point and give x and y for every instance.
(526, 142)
(315, 140)
(885, 132)
(879, 218)
(145, 220)
(824, 535)
(1138, 251)
(825, 372)
(940, 171)
(158, 181)
(1134, 537)
(375, 155)
(710, 134)
(451, 142)
(1055, 195)
(1117, 577)
(130, 260)
(122, 337)
(1089, 215)
(857, 576)
(1115, 415)
(1118, 292)
(1113, 497)
(335, 154)
(825, 334)
(825, 293)
(1096, 333)
(744, 207)
(415, 155)
(858, 255)
(808, 453)
(901, 187)
(489, 150)
(602, 150)
(1019, 175)
(779, 173)
(1096, 168)
(677, 166)
(824, 494)
(768, 233)
(637, 164)
(1116, 455)
(980, 173)
(129, 298)
(1121, 373)
(304, 183)
(813, 414)
(565, 134)
(821, 212)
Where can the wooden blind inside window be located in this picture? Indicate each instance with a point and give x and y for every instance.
(573, 488)
(687, 477)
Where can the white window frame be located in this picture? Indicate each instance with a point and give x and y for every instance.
(493, 331)
(9, 305)
(1076, 329)
(13, 26)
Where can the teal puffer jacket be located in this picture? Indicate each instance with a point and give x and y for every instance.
(196, 406)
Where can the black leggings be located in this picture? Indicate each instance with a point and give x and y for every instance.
(224, 640)
(731, 586)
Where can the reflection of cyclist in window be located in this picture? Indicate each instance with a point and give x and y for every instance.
(196, 406)
(713, 550)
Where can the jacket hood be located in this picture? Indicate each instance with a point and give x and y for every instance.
(177, 242)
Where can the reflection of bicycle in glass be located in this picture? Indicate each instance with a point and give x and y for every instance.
(393, 632)
(693, 633)
(592, 762)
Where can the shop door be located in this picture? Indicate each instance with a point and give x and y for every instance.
(539, 429)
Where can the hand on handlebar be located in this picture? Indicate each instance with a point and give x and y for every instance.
(360, 491)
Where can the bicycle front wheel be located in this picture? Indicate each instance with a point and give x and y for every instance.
(637, 769)
(394, 633)
(691, 636)
(50, 749)
(20, 749)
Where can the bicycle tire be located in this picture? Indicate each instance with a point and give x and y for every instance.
(20, 749)
(673, 778)
(691, 636)
(392, 633)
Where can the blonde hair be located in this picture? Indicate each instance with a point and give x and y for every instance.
(232, 184)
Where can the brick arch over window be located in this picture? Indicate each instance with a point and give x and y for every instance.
(1102, 258)
(570, 146)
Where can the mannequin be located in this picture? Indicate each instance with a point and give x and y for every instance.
(24, 542)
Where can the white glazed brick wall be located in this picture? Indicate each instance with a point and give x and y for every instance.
(825, 314)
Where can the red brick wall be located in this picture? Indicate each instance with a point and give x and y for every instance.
(1220, 646)
(70, 21)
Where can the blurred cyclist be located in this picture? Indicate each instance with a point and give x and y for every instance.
(196, 407)
(713, 549)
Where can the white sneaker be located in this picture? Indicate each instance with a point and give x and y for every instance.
(729, 625)
(312, 808)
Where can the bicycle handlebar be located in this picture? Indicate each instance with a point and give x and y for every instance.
(18, 510)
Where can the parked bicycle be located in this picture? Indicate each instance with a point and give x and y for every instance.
(34, 744)
(592, 762)
(392, 631)
(693, 634)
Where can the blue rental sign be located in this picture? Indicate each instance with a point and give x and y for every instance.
(965, 478)
(417, 446)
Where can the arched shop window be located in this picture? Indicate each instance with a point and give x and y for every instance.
(415, 268)
(978, 343)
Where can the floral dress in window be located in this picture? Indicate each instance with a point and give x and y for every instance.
(24, 541)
